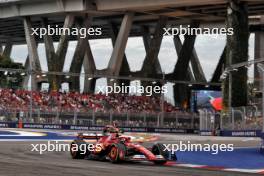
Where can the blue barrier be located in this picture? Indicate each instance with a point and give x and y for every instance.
(262, 144)
(206, 133)
(242, 133)
(234, 133)
(8, 125)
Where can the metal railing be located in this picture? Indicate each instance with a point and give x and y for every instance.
(240, 118)
(179, 120)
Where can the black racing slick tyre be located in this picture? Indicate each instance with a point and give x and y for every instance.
(117, 153)
(159, 149)
(78, 149)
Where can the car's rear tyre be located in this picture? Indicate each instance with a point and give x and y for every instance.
(159, 149)
(117, 153)
(77, 149)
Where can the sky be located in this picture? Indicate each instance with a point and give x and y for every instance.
(208, 47)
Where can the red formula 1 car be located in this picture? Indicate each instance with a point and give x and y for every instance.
(111, 145)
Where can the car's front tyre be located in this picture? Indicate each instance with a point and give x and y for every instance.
(117, 153)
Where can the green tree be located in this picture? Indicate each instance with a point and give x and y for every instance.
(10, 79)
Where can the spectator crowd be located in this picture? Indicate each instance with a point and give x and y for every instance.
(80, 102)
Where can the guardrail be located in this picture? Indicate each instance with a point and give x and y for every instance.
(233, 133)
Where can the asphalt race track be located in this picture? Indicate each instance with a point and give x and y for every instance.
(17, 159)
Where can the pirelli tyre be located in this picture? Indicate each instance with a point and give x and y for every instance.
(79, 149)
(159, 149)
(117, 153)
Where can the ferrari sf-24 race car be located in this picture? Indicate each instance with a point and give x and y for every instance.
(114, 146)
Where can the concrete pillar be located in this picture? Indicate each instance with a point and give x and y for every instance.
(157, 67)
(62, 48)
(32, 51)
(153, 48)
(125, 70)
(197, 68)
(219, 68)
(237, 51)
(78, 57)
(178, 46)
(259, 52)
(117, 56)
(8, 49)
(146, 37)
(1, 49)
(198, 73)
(27, 67)
(147, 43)
(50, 55)
(181, 91)
(89, 68)
(63, 43)
(25, 81)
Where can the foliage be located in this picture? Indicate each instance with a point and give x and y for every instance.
(10, 79)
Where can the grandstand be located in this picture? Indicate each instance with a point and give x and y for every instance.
(52, 106)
